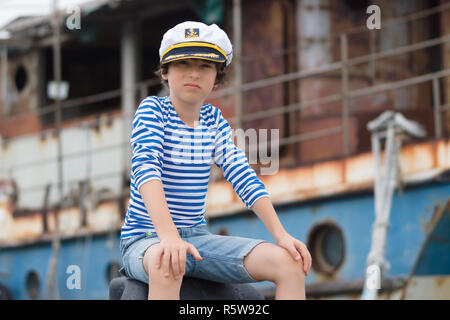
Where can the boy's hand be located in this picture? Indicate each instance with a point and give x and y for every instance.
(172, 254)
(297, 249)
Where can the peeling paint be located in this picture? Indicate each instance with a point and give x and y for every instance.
(428, 287)
(338, 177)
(430, 223)
(298, 184)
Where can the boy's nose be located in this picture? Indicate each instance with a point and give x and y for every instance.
(194, 71)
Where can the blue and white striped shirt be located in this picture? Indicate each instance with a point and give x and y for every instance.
(165, 148)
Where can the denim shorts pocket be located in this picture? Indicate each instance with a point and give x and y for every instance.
(125, 243)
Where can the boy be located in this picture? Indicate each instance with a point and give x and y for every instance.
(174, 141)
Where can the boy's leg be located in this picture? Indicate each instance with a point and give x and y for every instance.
(268, 261)
(160, 287)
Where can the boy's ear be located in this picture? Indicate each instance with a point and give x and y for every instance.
(164, 76)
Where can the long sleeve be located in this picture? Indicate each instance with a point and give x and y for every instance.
(146, 142)
(234, 164)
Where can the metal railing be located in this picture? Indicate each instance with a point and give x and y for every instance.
(344, 96)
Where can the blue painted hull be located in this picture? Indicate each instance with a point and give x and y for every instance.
(353, 214)
(93, 255)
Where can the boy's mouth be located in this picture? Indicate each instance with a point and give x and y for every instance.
(192, 86)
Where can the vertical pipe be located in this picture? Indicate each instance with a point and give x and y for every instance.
(57, 79)
(128, 54)
(237, 57)
(372, 67)
(345, 104)
(4, 57)
(437, 108)
(291, 118)
(56, 243)
(376, 151)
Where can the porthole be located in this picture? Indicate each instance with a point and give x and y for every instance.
(223, 232)
(327, 247)
(112, 271)
(20, 78)
(33, 285)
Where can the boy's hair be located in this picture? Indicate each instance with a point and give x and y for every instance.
(220, 77)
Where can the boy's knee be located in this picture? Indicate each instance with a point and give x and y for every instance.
(156, 275)
(150, 259)
(287, 266)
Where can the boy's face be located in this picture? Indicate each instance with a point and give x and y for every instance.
(191, 80)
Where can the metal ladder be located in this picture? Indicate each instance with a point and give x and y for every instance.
(393, 127)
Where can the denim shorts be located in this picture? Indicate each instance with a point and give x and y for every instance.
(222, 256)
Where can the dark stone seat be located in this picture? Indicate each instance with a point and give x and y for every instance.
(124, 288)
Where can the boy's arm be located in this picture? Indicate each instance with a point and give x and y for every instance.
(172, 249)
(264, 209)
(152, 193)
(251, 190)
(235, 166)
(147, 152)
(147, 139)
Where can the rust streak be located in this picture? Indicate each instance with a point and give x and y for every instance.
(437, 214)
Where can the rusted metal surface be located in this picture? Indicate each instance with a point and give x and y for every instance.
(418, 288)
(445, 51)
(428, 287)
(25, 229)
(351, 174)
(264, 26)
(22, 82)
(428, 278)
(298, 184)
(319, 48)
(23, 213)
(342, 289)
(350, 289)
(314, 149)
(264, 19)
(33, 171)
(430, 223)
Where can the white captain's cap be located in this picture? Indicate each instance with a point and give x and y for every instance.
(195, 40)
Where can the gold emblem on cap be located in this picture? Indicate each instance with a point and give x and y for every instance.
(191, 33)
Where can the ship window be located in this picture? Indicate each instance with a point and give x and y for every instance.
(20, 78)
(33, 285)
(326, 243)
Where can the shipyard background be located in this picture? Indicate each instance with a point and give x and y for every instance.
(312, 69)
